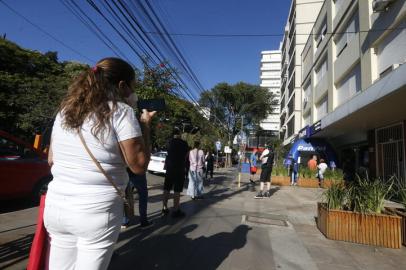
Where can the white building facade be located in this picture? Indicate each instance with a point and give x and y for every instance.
(302, 15)
(270, 78)
(354, 83)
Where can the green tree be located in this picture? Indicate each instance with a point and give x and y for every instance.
(231, 103)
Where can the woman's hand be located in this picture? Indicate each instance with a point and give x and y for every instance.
(146, 117)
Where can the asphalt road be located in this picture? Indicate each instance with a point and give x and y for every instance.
(17, 227)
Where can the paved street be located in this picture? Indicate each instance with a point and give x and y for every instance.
(223, 231)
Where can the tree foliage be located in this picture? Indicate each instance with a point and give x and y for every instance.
(32, 86)
(229, 103)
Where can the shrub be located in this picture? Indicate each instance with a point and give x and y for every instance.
(368, 196)
(335, 196)
(400, 191)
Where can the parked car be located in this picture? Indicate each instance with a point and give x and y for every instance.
(157, 162)
(24, 171)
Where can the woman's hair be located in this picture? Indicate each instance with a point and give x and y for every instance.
(196, 144)
(90, 93)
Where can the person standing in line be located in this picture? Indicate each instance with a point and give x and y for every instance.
(83, 210)
(267, 159)
(139, 181)
(175, 165)
(322, 167)
(312, 163)
(253, 165)
(196, 160)
(294, 171)
(209, 164)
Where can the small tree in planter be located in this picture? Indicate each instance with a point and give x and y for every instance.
(354, 213)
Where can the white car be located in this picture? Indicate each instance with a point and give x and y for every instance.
(157, 162)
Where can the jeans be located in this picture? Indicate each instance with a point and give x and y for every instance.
(195, 187)
(140, 183)
(81, 237)
(293, 177)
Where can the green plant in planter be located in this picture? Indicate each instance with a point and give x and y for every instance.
(337, 175)
(368, 196)
(306, 173)
(336, 196)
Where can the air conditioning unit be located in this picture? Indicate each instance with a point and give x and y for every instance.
(381, 5)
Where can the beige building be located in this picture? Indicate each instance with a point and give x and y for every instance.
(354, 83)
(270, 78)
(302, 15)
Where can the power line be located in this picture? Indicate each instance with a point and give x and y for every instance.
(47, 33)
(221, 35)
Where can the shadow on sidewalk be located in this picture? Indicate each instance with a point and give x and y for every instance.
(165, 246)
(177, 251)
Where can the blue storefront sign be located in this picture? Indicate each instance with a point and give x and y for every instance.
(308, 146)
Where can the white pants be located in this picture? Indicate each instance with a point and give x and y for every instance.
(81, 238)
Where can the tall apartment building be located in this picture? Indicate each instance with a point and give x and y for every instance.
(354, 84)
(302, 16)
(271, 79)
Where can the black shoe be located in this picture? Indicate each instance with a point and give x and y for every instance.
(165, 211)
(178, 214)
(252, 181)
(146, 223)
(267, 194)
(259, 195)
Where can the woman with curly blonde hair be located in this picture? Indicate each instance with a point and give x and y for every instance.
(83, 210)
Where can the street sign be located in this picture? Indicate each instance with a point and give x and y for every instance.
(227, 149)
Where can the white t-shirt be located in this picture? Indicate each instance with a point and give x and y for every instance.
(264, 157)
(322, 168)
(75, 173)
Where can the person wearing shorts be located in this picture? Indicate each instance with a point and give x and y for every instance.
(253, 165)
(267, 159)
(175, 164)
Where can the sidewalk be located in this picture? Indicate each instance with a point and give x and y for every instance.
(226, 230)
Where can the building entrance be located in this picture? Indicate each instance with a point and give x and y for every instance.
(391, 151)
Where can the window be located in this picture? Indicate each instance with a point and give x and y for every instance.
(391, 51)
(11, 150)
(322, 108)
(321, 32)
(349, 86)
(321, 70)
(347, 34)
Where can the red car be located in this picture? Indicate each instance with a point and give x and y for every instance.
(24, 171)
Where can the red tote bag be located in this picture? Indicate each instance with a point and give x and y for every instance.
(39, 245)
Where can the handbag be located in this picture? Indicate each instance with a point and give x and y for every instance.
(39, 246)
(253, 169)
(128, 203)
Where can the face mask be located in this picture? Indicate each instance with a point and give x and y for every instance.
(132, 100)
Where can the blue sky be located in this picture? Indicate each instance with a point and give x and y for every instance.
(213, 59)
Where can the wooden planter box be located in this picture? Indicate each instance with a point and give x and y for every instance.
(280, 180)
(327, 183)
(307, 182)
(402, 214)
(370, 229)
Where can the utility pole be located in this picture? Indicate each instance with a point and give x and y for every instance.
(241, 152)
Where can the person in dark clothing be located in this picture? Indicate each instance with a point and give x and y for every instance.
(175, 164)
(140, 183)
(210, 164)
(267, 159)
